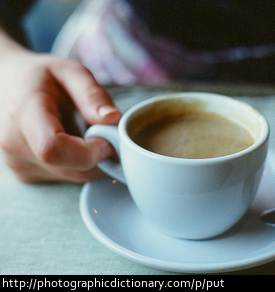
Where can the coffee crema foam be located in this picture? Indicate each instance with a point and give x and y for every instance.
(193, 135)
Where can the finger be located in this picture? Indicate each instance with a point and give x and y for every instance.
(30, 172)
(49, 142)
(92, 101)
(78, 176)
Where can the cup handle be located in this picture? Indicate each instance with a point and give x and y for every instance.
(109, 133)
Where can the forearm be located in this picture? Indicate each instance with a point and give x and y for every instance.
(8, 46)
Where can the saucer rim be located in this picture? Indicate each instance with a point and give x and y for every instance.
(218, 267)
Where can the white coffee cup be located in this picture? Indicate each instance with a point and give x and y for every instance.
(183, 197)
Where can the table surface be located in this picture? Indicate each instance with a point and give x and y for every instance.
(41, 227)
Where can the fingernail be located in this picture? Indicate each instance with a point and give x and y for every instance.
(106, 110)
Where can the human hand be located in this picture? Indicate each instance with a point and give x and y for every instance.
(39, 95)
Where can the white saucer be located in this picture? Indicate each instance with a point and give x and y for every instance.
(110, 214)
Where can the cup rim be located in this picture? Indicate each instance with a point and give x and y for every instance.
(127, 115)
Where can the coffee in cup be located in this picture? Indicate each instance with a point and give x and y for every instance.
(187, 133)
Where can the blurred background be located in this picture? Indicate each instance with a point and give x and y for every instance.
(43, 22)
(45, 19)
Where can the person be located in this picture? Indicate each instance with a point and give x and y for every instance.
(158, 41)
(122, 42)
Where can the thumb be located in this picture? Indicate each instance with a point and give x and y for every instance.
(92, 101)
